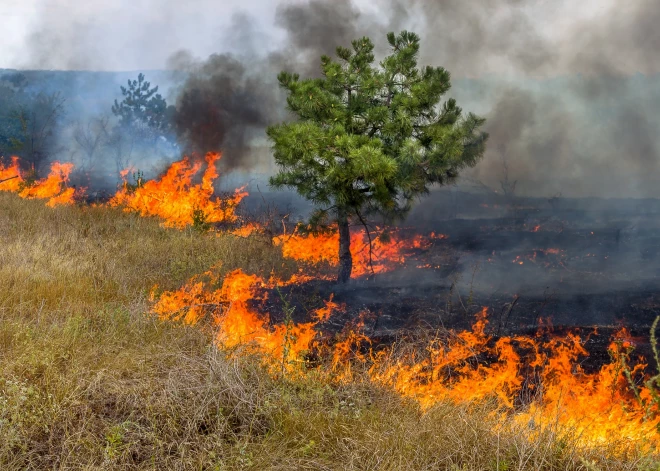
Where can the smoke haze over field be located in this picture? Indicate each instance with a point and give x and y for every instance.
(570, 90)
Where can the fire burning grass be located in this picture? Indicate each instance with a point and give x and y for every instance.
(10, 176)
(176, 199)
(179, 202)
(53, 188)
(381, 255)
(466, 400)
(465, 368)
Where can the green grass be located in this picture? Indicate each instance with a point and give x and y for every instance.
(88, 380)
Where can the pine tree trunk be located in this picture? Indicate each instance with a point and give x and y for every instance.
(345, 258)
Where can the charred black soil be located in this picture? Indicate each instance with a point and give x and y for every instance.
(585, 266)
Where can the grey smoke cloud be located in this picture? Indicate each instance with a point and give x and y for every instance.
(558, 81)
(119, 35)
(317, 28)
(228, 99)
(221, 106)
(584, 125)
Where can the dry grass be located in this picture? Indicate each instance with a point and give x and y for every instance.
(89, 381)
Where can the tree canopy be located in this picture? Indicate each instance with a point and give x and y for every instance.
(145, 123)
(371, 138)
(30, 124)
(143, 106)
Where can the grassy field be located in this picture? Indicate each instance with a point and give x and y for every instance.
(89, 380)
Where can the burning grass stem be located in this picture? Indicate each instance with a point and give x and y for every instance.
(623, 359)
(653, 383)
(288, 322)
(7, 179)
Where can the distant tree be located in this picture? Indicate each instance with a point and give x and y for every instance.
(35, 123)
(90, 138)
(369, 139)
(120, 146)
(143, 107)
(10, 129)
(508, 186)
(144, 120)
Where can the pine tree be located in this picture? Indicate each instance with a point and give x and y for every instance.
(142, 106)
(369, 139)
(145, 121)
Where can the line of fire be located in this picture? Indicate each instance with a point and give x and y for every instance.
(418, 256)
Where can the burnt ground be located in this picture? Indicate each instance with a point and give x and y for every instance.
(578, 265)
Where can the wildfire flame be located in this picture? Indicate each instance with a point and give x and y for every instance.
(176, 199)
(384, 254)
(537, 381)
(597, 406)
(465, 367)
(53, 188)
(10, 176)
(236, 321)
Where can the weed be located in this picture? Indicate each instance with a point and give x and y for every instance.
(200, 221)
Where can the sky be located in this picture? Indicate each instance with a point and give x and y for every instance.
(115, 35)
(143, 34)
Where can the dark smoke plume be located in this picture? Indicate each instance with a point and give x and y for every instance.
(219, 105)
(228, 99)
(571, 105)
(317, 28)
(552, 132)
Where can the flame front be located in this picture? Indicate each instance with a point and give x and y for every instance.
(538, 385)
(53, 188)
(10, 176)
(381, 255)
(176, 199)
(237, 323)
(597, 407)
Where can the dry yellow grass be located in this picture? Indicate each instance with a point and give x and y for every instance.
(89, 381)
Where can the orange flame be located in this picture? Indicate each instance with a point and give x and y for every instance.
(245, 230)
(323, 313)
(236, 321)
(598, 406)
(539, 383)
(384, 255)
(53, 187)
(176, 199)
(10, 176)
(465, 367)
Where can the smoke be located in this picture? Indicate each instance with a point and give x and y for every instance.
(569, 90)
(317, 28)
(565, 111)
(228, 99)
(579, 136)
(469, 39)
(572, 112)
(220, 106)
